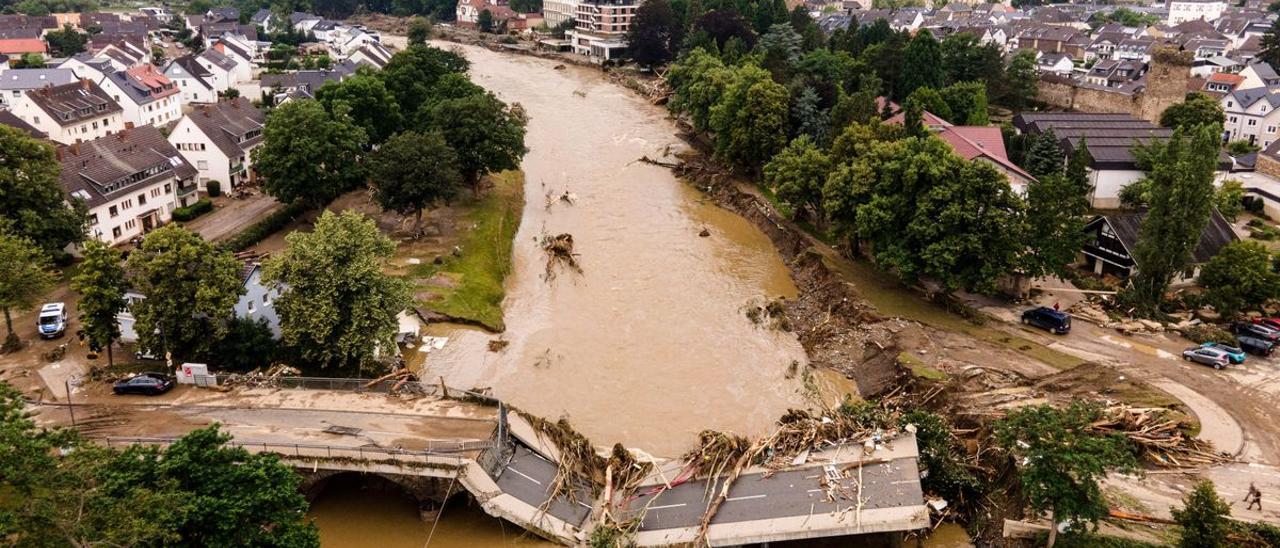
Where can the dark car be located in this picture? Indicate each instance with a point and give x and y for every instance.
(1257, 330)
(1048, 319)
(149, 384)
(1256, 345)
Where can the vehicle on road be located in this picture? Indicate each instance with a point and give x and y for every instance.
(1046, 318)
(1257, 330)
(1256, 345)
(1207, 356)
(1234, 354)
(52, 321)
(148, 384)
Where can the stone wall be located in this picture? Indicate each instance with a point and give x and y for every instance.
(1166, 85)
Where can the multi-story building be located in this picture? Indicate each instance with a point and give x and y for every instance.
(79, 111)
(1252, 115)
(1181, 11)
(218, 140)
(601, 27)
(15, 82)
(195, 82)
(131, 182)
(147, 96)
(557, 12)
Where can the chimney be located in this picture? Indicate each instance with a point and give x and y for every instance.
(84, 84)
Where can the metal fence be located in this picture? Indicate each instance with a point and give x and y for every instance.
(355, 385)
(435, 449)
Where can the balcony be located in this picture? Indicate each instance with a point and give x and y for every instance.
(184, 191)
(237, 167)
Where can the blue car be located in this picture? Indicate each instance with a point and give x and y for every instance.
(1234, 354)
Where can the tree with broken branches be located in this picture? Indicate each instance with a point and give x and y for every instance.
(1061, 459)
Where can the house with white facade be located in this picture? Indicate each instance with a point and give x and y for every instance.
(256, 303)
(131, 181)
(193, 80)
(79, 111)
(239, 51)
(1258, 75)
(218, 139)
(15, 82)
(1251, 115)
(88, 67)
(147, 96)
(373, 54)
(1181, 11)
(222, 69)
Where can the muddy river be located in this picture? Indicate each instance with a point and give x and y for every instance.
(650, 344)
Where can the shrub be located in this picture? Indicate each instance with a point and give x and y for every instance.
(267, 226)
(184, 214)
(214, 189)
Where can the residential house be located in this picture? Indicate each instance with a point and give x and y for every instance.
(1111, 240)
(16, 48)
(1181, 11)
(375, 55)
(8, 119)
(1134, 49)
(303, 22)
(257, 302)
(1047, 39)
(263, 18)
(194, 80)
(1251, 115)
(1258, 75)
(218, 138)
(306, 82)
(160, 13)
(1222, 83)
(15, 82)
(130, 181)
(238, 52)
(222, 70)
(79, 111)
(147, 95)
(1206, 67)
(87, 67)
(1114, 74)
(1110, 139)
(1055, 63)
(973, 143)
(123, 55)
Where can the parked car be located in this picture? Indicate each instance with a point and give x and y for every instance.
(1208, 356)
(1257, 330)
(1048, 319)
(1235, 354)
(1256, 345)
(1273, 323)
(52, 321)
(149, 384)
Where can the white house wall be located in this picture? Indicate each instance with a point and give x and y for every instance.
(159, 196)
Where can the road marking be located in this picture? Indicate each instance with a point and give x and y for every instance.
(524, 475)
(745, 497)
(668, 506)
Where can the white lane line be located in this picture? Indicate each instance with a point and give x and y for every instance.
(745, 497)
(667, 506)
(524, 475)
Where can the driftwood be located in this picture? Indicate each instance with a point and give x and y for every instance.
(1160, 439)
(559, 250)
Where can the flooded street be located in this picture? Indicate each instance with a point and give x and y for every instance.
(651, 343)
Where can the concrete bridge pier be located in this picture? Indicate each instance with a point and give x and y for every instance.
(430, 493)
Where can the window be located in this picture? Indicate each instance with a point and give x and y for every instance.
(1232, 119)
(168, 188)
(115, 232)
(1253, 123)
(130, 224)
(113, 211)
(1230, 104)
(266, 299)
(127, 204)
(93, 218)
(142, 199)
(1271, 129)
(250, 307)
(202, 164)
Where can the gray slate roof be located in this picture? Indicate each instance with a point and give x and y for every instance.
(71, 103)
(107, 167)
(1216, 234)
(23, 79)
(228, 122)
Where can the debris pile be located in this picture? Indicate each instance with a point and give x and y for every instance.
(405, 382)
(259, 378)
(559, 250)
(1092, 313)
(1160, 440)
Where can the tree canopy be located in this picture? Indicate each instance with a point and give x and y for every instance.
(24, 278)
(191, 288)
(31, 195)
(486, 134)
(101, 284)
(750, 118)
(413, 171)
(1196, 110)
(337, 304)
(309, 154)
(1204, 517)
(367, 101)
(1240, 276)
(411, 73)
(652, 32)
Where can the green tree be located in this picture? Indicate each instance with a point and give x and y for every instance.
(486, 134)
(1204, 517)
(948, 475)
(338, 305)
(1061, 460)
(781, 47)
(31, 195)
(308, 154)
(101, 283)
(797, 175)
(24, 278)
(808, 117)
(367, 100)
(247, 345)
(967, 102)
(1240, 276)
(1021, 80)
(930, 100)
(485, 21)
(652, 32)
(412, 171)
(697, 82)
(967, 59)
(750, 119)
(1044, 156)
(190, 286)
(922, 65)
(1197, 109)
(1270, 44)
(1181, 174)
(1229, 199)
(419, 31)
(412, 73)
(66, 42)
(1055, 220)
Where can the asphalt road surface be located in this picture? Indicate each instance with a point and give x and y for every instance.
(529, 477)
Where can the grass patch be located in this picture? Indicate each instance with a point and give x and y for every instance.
(478, 273)
(919, 368)
(890, 297)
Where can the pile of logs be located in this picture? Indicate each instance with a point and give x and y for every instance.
(559, 249)
(1160, 439)
(405, 382)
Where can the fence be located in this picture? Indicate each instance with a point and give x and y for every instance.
(353, 385)
(434, 452)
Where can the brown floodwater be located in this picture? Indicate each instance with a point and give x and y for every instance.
(650, 344)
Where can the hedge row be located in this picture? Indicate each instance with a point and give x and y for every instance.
(184, 214)
(267, 226)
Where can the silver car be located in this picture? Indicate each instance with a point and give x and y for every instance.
(1207, 356)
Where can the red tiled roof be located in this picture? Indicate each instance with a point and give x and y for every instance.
(22, 45)
(1226, 78)
(971, 142)
(929, 120)
(148, 76)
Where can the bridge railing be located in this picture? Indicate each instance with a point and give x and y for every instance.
(436, 452)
